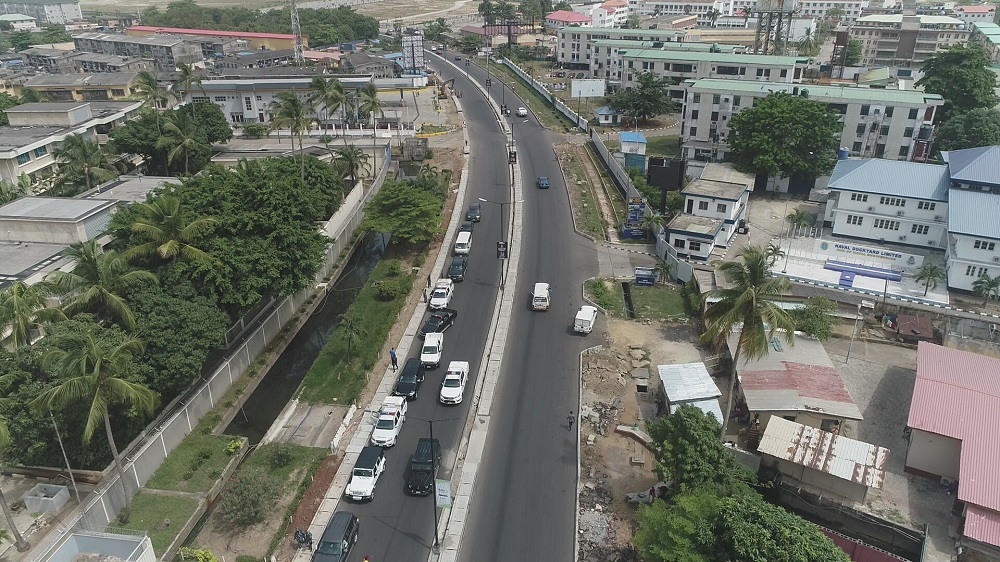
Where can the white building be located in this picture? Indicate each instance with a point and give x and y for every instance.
(19, 22)
(565, 18)
(575, 44)
(898, 40)
(713, 206)
(610, 13)
(733, 69)
(976, 14)
(879, 123)
(605, 61)
(973, 215)
(818, 9)
(44, 11)
(888, 201)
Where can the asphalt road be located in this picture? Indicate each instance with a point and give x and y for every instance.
(524, 503)
(396, 527)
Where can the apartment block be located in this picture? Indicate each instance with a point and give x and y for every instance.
(58, 12)
(103, 86)
(982, 13)
(731, 68)
(877, 123)
(605, 61)
(166, 51)
(53, 61)
(575, 45)
(898, 40)
(610, 13)
(818, 9)
(973, 209)
(988, 35)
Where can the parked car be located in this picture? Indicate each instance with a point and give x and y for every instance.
(408, 383)
(430, 352)
(475, 213)
(444, 289)
(453, 385)
(522, 112)
(338, 538)
(420, 480)
(458, 267)
(439, 321)
(543, 182)
(369, 466)
(389, 421)
(467, 227)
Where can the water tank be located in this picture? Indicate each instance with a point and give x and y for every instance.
(843, 153)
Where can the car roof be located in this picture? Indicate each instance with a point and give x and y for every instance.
(368, 457)
(434, 336)
(334, 531)
(458, 366)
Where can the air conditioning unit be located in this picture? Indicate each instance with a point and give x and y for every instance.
(996, 259)
(899, 213)
(938, 217)
(871, 208)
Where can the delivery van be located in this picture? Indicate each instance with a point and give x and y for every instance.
(463, 243)
(541, 296)
(585, 320)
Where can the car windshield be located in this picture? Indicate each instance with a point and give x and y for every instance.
(329, 548)
(452, 382)
(410, 378)
(421, 467)
(384, 423)
(440, 293)
(363, 472)
(429, 349)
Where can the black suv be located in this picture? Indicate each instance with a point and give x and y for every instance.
(475, 212)
(338, 538)
(423, 463)
(457, 270)
(410, 377)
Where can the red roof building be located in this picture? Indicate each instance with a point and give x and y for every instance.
(565, 18)
(272, 41)
(953, 435)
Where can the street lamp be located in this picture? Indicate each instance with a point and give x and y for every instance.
(853, 334)
(503, 236)
(434, 467)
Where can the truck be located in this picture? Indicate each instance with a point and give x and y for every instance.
(585, 319)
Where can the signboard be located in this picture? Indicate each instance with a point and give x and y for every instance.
(874, 256)
(633, 220)
(501, 250)
(587, 88)
(645, 276)
(413, 51)
(442, 493)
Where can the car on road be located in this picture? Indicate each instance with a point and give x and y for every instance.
(430, 352)
(453, 385)
(389, 421)
(420, 480)
(543, 182)
(369, 466)
(439, 321)
(408, 383)
(458, 58)
(475, 213)
(522, 112)
(583, 322)
(456, 272)
(444, 289)
(467, 227)
(338, 538)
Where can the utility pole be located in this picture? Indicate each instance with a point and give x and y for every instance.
(297, 31)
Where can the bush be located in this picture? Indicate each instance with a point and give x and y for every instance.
(197, 554)
(248, 498)
(247, 558)
(393, 268)
(277, 455)
(234, 446)
(692, 300)
(386, 291)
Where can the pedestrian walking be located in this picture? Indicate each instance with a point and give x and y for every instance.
(569, 421)
(392, 356)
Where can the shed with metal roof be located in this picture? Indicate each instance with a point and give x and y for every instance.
(912, 180)
(689, 383)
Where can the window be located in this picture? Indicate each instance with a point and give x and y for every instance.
(715, 116)
(41, 151)
(220, 98)
(118, 92)
(888, 111)
(861, 129)
(865, 109)
(694, 114)
(977, 245)
(856, 147)
(679, 243)
(892, 201)
(904, 151)
(863, 197)
(694, 246)
(784, 73)
(884, 130)
(199, 98)
(23, 158)
(970, 270)
(926, 205)
(721, 208)
(697, 98)
(694, 131)
(702, 205)
(920, 229)
(716, 99)
(886, 224)
(260, 98)
(908, 132)
(249, 104)
(855, 220)
(736, 101)
(913, 113)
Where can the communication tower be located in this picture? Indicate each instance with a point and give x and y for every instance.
(774, 26)
(297, 32)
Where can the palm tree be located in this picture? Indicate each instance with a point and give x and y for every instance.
(664, 270)
(353, 330)
(807, 45)
(21, 544)
(181, 137)
(328, 94)
(651, 224)
(147, 89)
(773, 253)
(352, 160)
(97, 282)
(12, 191)
(929, 274)
(370, 105)
(800, 218)
(748, 306)
(80, 157)
(712, 14)
(95, 375)
(187, 80)
(287, 110)
(23, 307)
(986, 287)
(169, 233)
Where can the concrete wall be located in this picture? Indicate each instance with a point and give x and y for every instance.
(933, 454)
(852, 492)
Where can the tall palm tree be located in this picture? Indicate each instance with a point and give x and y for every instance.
(186, 81)
(799, 218)
(181, 137)
(369, 103)
(748, 306)
(651, 224)
(94, 375)
(97, 282)
(353, 329)
(664, 270)
(169, 233)
(23, 307)
(328, 94)
(929, 274)
(773, 253)
(19, 542)
(986, 287)
(147, 89)
(288, 110)
(81, 158)
(352, 161)
(712, 14)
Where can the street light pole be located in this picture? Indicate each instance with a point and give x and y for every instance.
(503, 234)
(853, 334)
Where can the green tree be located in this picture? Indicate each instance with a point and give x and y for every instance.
(712, 14)
(773, 253)
(147, 89)
(329, 95)
(95, 376)
(835, 14)
(962, 76)
(352, 160)
(23, 308)
(369, 103)
(815, 318)
(182, 138)
(674, 532)
(648, 98)
(19, 542)
(29, 95)
(800, 219)
(352, 330)
(986, 287)
(248, 498)
(7, 101)
(675, 203)
(470, 43)
(212, 122)
(436, 29)
(488, 10)
(969, 129)
(409, 213)
(81, 159)
(929, 274)
(287, 110)
(14, 191)
(171, 234)
(750, 306)
(664, 270)
(504, 10)
(186, 81)
(21, 40)
(853, 52)
(256, 130)
(563, 5)
(97, 282)
(651, 224)
(784, 134)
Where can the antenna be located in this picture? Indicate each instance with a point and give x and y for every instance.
(297, 31)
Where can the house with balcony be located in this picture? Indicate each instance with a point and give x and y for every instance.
(713, 206)
(877, 122)
(898, 40)
(102, 86)
(889, 201)
(973, 215)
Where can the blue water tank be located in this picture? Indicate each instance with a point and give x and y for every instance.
(843, 153)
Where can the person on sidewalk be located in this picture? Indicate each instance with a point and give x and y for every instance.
(392, 356)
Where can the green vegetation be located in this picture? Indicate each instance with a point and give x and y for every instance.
(648, 98)
(335, 379)
(815, 317)
(661, 301)
(311, 459)
(541, 107)
(149, 510)
(662, 146)
(196, 463)
(607, 294)
(590, 214)
(962, 76)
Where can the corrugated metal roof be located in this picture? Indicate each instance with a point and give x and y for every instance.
(982, 525)
(974, 213)
(817, 92)
(957, 394)
(710, 406)
(892, 177)
(686, 382)
(630, 136)
(856, 461)
(698, 56)
(975, 165)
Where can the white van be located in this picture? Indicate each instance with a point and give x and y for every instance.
(585, 320)
(463, 243)
(541, 297)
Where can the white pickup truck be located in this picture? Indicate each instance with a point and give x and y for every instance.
(444, 289)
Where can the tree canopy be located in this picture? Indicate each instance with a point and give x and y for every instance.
(815, 317)
(408, 211)
(142, 137)
(970, 129)
(962, 75)
(7, 101)
(784, 134)
(650, 97)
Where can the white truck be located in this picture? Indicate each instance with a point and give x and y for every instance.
(585, 319)
(430, 352)
(444, 289)
(388, 421)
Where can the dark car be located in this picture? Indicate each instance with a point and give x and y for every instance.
(338, 538)
(467, 227)
(410, 377)
(439, 321)
(543, 182)
(420, 481)
(457, 270)
(475, 213)
(458, 58)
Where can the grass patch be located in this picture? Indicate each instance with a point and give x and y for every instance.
(196, 463)
(335, 377)
(591, 221)
(607, 294)
(427, 128)
(542, 108)
(149, 511)
(661, 301)
(309, 457)
(662, 146)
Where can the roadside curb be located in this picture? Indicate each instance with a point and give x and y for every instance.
(579, 434)
(625, 248)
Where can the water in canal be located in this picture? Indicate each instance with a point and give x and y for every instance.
(283, 379)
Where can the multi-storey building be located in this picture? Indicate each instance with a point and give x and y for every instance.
(53, 61)
(97, 62)
(713, 206)
(976, 14)
(103, 86)
(166, 51)
(973, 209)
(851, 9)
(606, 63)
(898, 40)
(610, 13)
(575, 44)
(879, 123)
(703, 9)
(566, 18)
(987, 34)
(733, 68)
(59, 12)
(256, 41)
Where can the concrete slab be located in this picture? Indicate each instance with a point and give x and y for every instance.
(310, 425)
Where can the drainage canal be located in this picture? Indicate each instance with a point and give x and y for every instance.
(283, 379)
(627, 292)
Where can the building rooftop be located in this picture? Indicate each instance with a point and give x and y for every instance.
(981, 9)
(15, 17)
(211, 32)
(128, 189)
(666, 45)
(80, 80)
(567, 16)
(12, 139)
(19, 260)
(794, 378)
(52, 209)
(686, 382)
(716, 189)
(591, 31)
(974, 213)
(957, 394)
(694, 56)
(46, 52)
(606, 110)
(631, 136)
(852, 460)
(817, 91)
(891, 177)
(727, 173)
(986, 27)
(158, 40)
(978, 166)
(925, 19)
(703, 227)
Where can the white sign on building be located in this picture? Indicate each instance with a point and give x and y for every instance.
(587, 88)
(867, 255)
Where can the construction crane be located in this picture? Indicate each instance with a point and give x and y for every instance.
(297, 32)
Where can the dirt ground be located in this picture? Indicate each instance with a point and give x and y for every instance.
(309, 505)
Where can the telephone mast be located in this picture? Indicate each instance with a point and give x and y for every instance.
(297, 32)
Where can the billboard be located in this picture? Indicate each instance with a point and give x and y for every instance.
(867, 254)
(413, 51)
(586, 88)
(633, 221)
